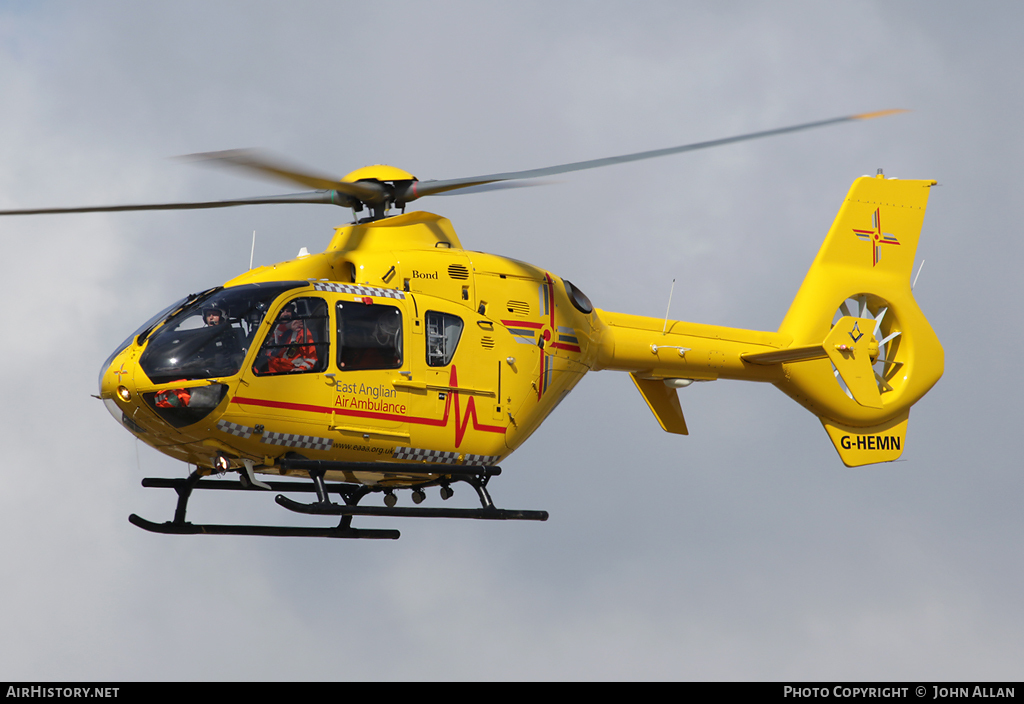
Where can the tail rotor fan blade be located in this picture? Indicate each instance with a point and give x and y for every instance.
(891, 336)
(878, 320)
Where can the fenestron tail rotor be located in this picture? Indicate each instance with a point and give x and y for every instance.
(381, 187)
(886, 333)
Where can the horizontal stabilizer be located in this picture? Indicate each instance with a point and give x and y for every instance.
(852, 349)
(793, 354)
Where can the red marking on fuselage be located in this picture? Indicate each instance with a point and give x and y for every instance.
(551, 300)
(461, 422)
(542, 381)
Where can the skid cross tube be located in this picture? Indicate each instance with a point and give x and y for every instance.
(477, 477)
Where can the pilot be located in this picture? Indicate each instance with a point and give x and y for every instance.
(225, 350)
(293, 348)
(213, 317)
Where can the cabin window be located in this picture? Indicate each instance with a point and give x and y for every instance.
(297, 341)
(443, 333)
(369, 336)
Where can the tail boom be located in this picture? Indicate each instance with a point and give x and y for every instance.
(662, 357)
(654, 349)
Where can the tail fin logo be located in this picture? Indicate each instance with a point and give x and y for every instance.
(876, 237)
(856, 329)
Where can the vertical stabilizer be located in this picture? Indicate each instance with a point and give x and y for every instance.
(878, 354)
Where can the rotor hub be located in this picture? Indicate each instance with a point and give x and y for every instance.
(379, 172)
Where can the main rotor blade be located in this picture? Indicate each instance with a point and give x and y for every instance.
(429, 188)
(251, 160)
(494, 186)
(327, 197)
(375, 194)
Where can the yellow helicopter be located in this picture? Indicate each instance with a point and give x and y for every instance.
(398, 360)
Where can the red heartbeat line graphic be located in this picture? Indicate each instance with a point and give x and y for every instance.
(462, 422)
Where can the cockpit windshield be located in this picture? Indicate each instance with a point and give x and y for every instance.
(146, 326)
(210, 337)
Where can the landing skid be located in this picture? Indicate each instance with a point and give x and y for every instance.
(171, 528)
(351, 494)
(496, 514)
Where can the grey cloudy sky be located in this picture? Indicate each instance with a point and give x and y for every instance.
(744, 551)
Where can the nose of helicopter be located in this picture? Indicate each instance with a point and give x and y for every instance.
(117, 387)
(116, 381)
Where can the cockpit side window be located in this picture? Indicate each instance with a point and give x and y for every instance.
(443, 333)
(369, 336)
(297, 341)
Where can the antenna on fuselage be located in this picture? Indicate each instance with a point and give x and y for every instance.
(253, 250)
(669, 307)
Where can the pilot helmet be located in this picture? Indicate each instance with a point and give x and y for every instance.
(213, 310)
